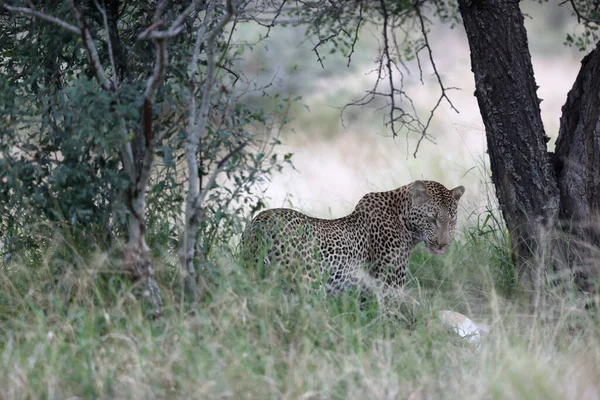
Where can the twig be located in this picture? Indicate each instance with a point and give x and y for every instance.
(388, 66)
(579, 15)
(199, 39)
(227, 45)
(230, 71)
(360, 19)
(321, 42)
(213, 176)
(270, 22)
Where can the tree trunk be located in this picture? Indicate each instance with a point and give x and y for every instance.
(506, 92)
(136, 256)
(577, 165)
(137, 261)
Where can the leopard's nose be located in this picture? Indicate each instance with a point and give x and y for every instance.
(443, 240)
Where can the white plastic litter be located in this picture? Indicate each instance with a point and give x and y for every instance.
(463, 326)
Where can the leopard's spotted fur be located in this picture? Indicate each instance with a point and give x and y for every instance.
(374, 241)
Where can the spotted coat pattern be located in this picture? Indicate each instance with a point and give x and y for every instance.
(373, 242)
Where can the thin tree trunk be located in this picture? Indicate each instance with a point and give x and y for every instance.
(506, 92)
(197, 125)
(577, 165)
(136, 257)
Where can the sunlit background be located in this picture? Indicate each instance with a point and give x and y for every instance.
(337, 163)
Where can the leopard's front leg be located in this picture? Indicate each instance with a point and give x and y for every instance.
(389, 258)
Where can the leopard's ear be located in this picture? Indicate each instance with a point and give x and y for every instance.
(457, 192)
(419, 193)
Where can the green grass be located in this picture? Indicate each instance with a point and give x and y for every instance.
(83, 332)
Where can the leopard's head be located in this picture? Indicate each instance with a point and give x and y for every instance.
(432, 217)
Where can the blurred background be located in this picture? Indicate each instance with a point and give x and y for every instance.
(336, 162)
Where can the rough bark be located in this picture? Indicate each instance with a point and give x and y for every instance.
(577, 164)
(506, 92)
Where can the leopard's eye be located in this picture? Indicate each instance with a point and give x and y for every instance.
(432, 218)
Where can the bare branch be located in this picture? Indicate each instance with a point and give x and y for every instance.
(398, 52)
(200, 122)
(160, 70)
(175, 28)
(443, 89)
(321, 42)
(92, 52)
(108, 41)
(402, 113)
(270, 23)
(360, 19)
(231, 72)
(42, 16)
(386, 50)
(419, 64)
(278, 11)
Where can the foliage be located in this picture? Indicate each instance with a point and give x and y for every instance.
(57, 161)
(588, 15)
(60, 166)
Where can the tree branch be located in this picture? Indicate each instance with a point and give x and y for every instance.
(196, 130)
(92, 52)
(579, 15)
(386, 50)
(213, 176)
(108, 41)
(401, 116)
(321, 42)
(42, 16)
(192, 145)
(175, 28)
(159, 72)
(200, 122)
(269, 22)
(443, 89)
(360, 19)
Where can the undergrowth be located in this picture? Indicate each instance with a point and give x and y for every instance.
(71, 326)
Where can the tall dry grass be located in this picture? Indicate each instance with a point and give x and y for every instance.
(80, 332)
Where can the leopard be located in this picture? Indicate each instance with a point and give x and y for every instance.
(371, 244)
